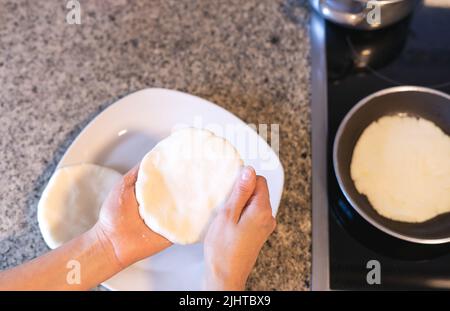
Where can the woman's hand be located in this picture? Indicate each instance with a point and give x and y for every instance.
(121, 227)
(238, 233)
(117, 240)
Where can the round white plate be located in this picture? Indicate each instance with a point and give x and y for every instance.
(123, 133)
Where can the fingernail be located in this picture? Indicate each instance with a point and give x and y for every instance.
(247, 173)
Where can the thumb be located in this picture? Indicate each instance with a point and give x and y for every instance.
(242, 191)
(129, 179)
(126, 191)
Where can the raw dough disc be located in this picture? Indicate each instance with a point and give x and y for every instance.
(402, 165)
(71, 202)
(183, 180)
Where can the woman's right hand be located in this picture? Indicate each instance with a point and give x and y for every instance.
(238, 233)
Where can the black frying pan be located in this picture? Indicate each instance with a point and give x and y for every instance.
(417, 101)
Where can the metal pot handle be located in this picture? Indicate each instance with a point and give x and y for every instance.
(339, 16)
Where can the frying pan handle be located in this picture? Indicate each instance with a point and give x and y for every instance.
(340, 17)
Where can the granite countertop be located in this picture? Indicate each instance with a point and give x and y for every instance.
(250, 57)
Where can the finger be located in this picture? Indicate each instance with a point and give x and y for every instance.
(241, 193)
(131, 176)
(127, 193)
(260, 200)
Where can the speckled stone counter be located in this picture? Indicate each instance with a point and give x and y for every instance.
(250, 57)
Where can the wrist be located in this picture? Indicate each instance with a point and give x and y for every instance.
(218, 281)
(105, 244)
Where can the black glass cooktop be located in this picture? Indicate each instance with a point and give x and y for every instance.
(415, 51)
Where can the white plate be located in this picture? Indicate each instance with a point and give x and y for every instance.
(124, 132)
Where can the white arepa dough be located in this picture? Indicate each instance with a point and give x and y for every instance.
(402, 165)
(183, 180)
(70, 204)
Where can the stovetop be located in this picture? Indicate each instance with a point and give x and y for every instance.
(415, 51)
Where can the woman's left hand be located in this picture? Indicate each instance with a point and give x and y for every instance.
(121, 226)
